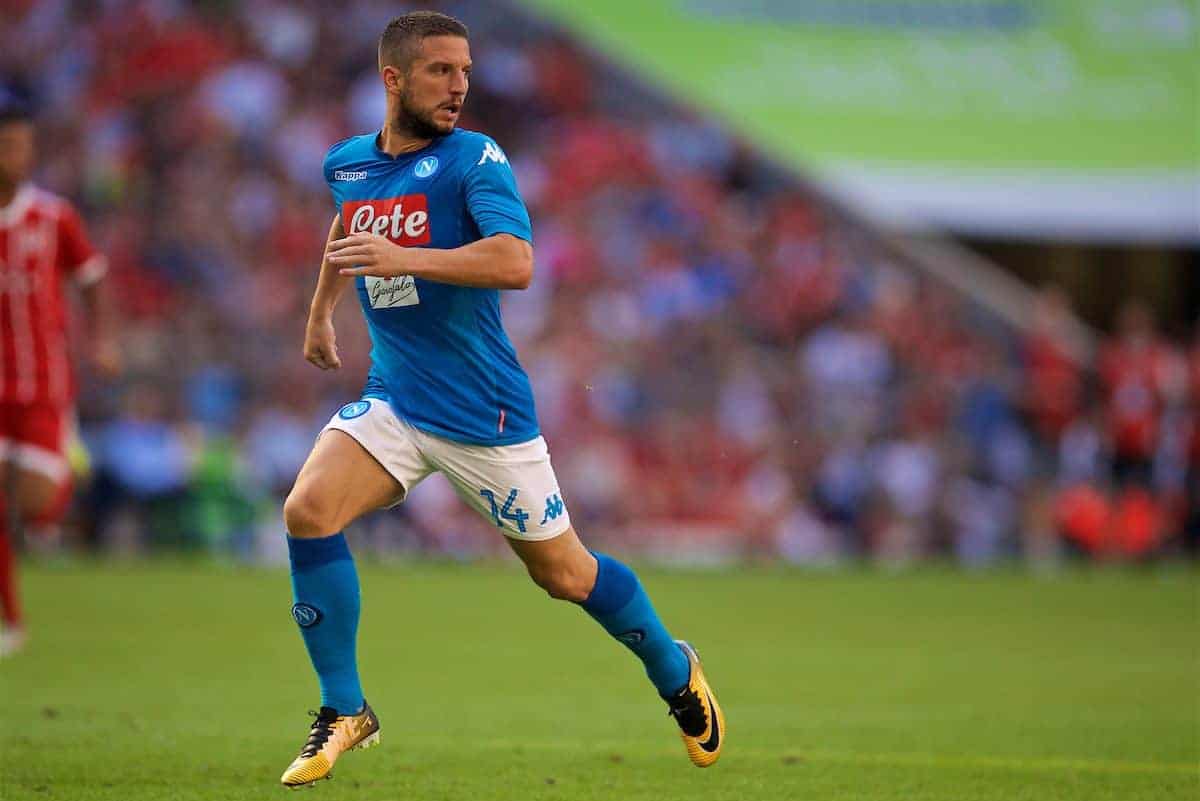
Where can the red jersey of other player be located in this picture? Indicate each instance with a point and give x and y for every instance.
(43, 248)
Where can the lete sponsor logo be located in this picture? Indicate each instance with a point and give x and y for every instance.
(404, 219)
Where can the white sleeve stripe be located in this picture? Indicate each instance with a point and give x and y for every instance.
(91, 270)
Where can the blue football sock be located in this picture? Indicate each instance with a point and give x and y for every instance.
(621, 606)
(326, 606)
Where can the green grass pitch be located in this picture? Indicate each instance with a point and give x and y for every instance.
(190, 682)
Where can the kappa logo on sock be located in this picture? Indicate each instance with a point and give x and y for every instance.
(632, 638)
(307, 616)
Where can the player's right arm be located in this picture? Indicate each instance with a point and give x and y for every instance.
(320, 344)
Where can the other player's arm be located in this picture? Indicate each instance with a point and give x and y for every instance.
(500, 261)
(100, 315)
(86, 269)
(320, 344)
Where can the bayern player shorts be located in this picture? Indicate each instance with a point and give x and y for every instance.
(34, 437)
(513, 487)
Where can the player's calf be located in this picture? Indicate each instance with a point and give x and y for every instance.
(619, 603)
(565, 582)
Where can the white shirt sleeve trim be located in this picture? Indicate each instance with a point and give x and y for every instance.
(91, 270)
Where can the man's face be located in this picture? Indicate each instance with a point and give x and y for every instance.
(16, 151)
(433, 90)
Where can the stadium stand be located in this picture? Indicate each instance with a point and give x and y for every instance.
(725, 365)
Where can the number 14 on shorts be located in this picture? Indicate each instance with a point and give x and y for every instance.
(506, 511)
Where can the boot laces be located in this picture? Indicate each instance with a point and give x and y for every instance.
(321, 731)
(688, 712)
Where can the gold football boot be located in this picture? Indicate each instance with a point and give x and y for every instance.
(331, 736)
(695, 709)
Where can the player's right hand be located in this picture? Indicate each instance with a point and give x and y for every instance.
(320, 345)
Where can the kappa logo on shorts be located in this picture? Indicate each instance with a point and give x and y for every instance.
(554, 508)
(356, 409)
(307, 616)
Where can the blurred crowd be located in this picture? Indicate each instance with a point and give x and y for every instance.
(724, 368)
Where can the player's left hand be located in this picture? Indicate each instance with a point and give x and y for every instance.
(107, 357)
(370, 254)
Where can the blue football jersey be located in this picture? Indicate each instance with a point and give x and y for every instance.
(439, 353)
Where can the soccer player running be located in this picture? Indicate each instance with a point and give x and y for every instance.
(42, 245)
(430, 228)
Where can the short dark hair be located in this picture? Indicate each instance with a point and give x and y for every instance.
(402, 37)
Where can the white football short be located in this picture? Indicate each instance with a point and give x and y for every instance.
(511, 486)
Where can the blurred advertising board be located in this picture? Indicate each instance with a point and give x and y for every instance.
(1046, 118)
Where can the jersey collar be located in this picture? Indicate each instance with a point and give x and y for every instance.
(381, 154)
(22, 200)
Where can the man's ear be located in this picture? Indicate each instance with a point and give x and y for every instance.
(393, 78)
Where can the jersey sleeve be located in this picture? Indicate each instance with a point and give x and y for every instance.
(491, 193)
(327, 167)
(77, 259)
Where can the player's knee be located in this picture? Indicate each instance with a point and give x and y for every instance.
(562, 583)
(306, 517)
(42, 502)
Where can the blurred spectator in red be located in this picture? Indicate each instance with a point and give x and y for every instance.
(1192, 522)
(1083, 516)
(1131, 369)
(1053, 390)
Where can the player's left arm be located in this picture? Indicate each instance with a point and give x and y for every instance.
(99, 309)
(87, 268)
(500, 261)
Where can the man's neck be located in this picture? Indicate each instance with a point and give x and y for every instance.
(395, 140)
(7, 193)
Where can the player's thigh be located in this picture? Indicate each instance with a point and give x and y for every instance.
(362, 461)
(34, 493)
(339, 482)
(35, 448)
(513, 487)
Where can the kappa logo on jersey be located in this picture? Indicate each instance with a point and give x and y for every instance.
(426, 167)
(349, 175)
(554, 508)
(491, 152)
(404, 219)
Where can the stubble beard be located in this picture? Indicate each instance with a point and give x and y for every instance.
(418, 122)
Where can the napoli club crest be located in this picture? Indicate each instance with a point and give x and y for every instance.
(356, 409)
(306, 616)
(426, 167)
